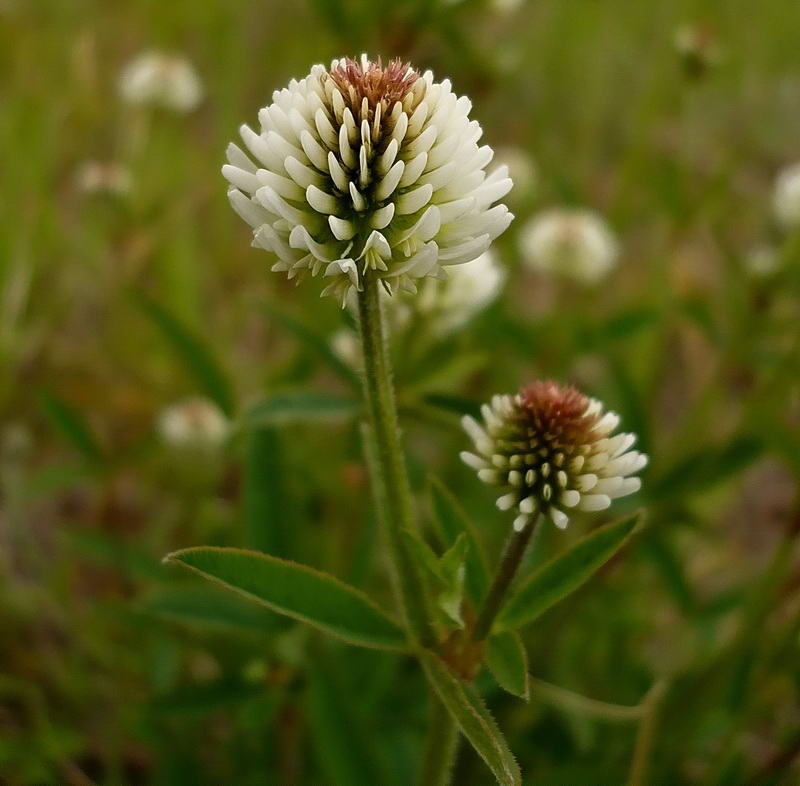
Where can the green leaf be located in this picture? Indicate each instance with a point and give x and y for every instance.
(451, 522)
(192, 351)
(316, 343)
(424, 555)
(204, 607)
(447, 573)
(507, 659)
(564, 574)
(265, 501)
(453, 569)
(297, 591)
(302, 406)
(474, 720)
(72, 426)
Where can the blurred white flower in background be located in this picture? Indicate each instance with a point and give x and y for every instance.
(158, 79)
(762, 261)
(786, 197)
(574, 243)
(521, 169)
(506, 7)
(194, 423)
(97, 177)
(345, 345)
(467, 290)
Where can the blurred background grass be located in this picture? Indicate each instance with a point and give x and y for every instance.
(117, 302)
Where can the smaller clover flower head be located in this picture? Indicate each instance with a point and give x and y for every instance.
(572, 243)
(160, 79)
(551, 448)
(786, 197)
(362, 166)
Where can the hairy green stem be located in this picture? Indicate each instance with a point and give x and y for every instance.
(514, 551)
(440, 746)
(392, 487)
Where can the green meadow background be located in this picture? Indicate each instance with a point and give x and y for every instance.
(116, 669)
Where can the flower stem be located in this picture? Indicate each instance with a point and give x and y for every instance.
(391, 480)
(513, 553)
(440, 746)
(646, 735)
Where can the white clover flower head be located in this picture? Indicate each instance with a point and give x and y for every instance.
(165, 80)
(467, 290)
(521, 168)
(364, 167)
(549, 448)
(195, 423)
(786, 197)
(574, 243)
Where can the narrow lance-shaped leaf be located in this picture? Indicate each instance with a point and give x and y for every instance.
(450, 522)
(446, 573)
(192, 351)
(204, 607)
(474, 720)
(564, 574)
(453, 571)
(297, 591)
(507, 660)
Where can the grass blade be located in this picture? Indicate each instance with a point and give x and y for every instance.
(317, 344)
(266, 505)
(192, 351)
(72, 426)
(302, 406)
